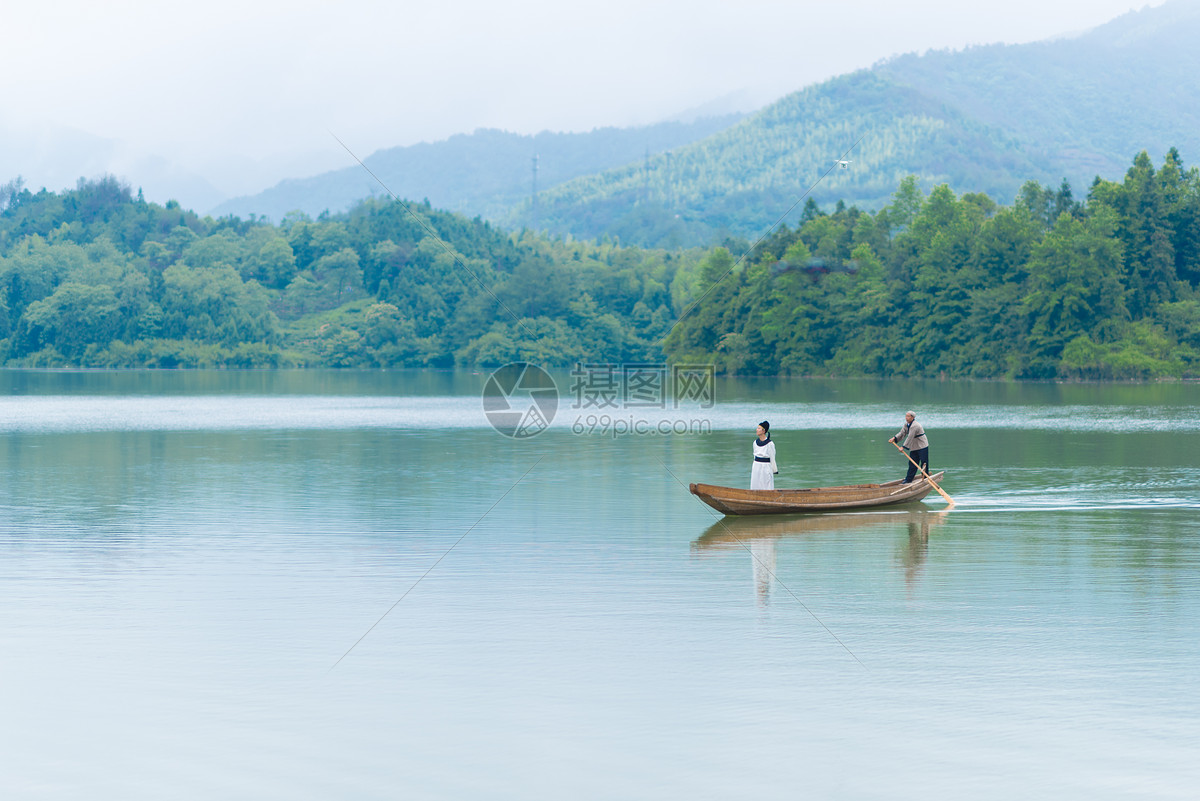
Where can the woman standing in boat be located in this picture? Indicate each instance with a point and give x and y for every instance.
(762, 474)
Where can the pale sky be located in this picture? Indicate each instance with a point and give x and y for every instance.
(246, 93)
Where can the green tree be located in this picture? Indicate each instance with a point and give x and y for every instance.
(72, 318)
(1149, 253)
(340, 272)
(1075, 286)
(272, 264)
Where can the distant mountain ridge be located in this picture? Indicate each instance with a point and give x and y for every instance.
(1081, 103)
(485, 173)
(985, 119)
(741, 180)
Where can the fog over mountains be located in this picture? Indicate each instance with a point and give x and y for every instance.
(985, 119)
(982, 119)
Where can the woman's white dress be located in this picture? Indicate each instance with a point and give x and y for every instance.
(762, 475)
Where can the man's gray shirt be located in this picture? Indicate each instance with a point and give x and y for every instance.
(915, 434)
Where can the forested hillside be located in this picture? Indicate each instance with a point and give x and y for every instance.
(986, 119)
(98, 277)
(1053, 286)
(740, 181)
(1050, 287)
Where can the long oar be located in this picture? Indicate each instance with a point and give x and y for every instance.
(932, 483)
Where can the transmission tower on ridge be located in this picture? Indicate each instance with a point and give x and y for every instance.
(646, 178)
(669, 186)
(535, 197)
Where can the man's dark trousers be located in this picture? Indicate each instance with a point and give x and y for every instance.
(921, 457)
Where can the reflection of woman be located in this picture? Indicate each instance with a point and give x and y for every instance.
(762, 554)
(762, 474)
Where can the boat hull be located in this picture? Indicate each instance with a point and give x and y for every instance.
(735, 501)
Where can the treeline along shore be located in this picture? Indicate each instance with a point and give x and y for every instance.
(1103, 286)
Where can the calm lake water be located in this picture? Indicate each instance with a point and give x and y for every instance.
(315, 585)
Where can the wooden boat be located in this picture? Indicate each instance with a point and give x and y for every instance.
(734, 501)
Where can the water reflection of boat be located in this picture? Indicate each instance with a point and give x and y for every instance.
(759, 535)
(739, 532)
(736, 501)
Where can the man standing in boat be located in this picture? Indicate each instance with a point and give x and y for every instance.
(762, 474)
(912, 436)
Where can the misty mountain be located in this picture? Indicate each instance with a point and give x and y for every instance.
(985, 119)
(1084, 105)
(485, 173)
(57, 158)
